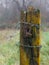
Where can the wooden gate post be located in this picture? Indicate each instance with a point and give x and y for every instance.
(30, 37)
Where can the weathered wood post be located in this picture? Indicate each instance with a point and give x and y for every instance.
(30, 37)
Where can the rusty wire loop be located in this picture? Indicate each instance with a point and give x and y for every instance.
(36, 25)
(27, 46)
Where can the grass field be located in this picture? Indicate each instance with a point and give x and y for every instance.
(9, 52)
(45, 48)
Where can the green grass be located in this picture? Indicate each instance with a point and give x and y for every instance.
(45, 48)
(9, 51)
